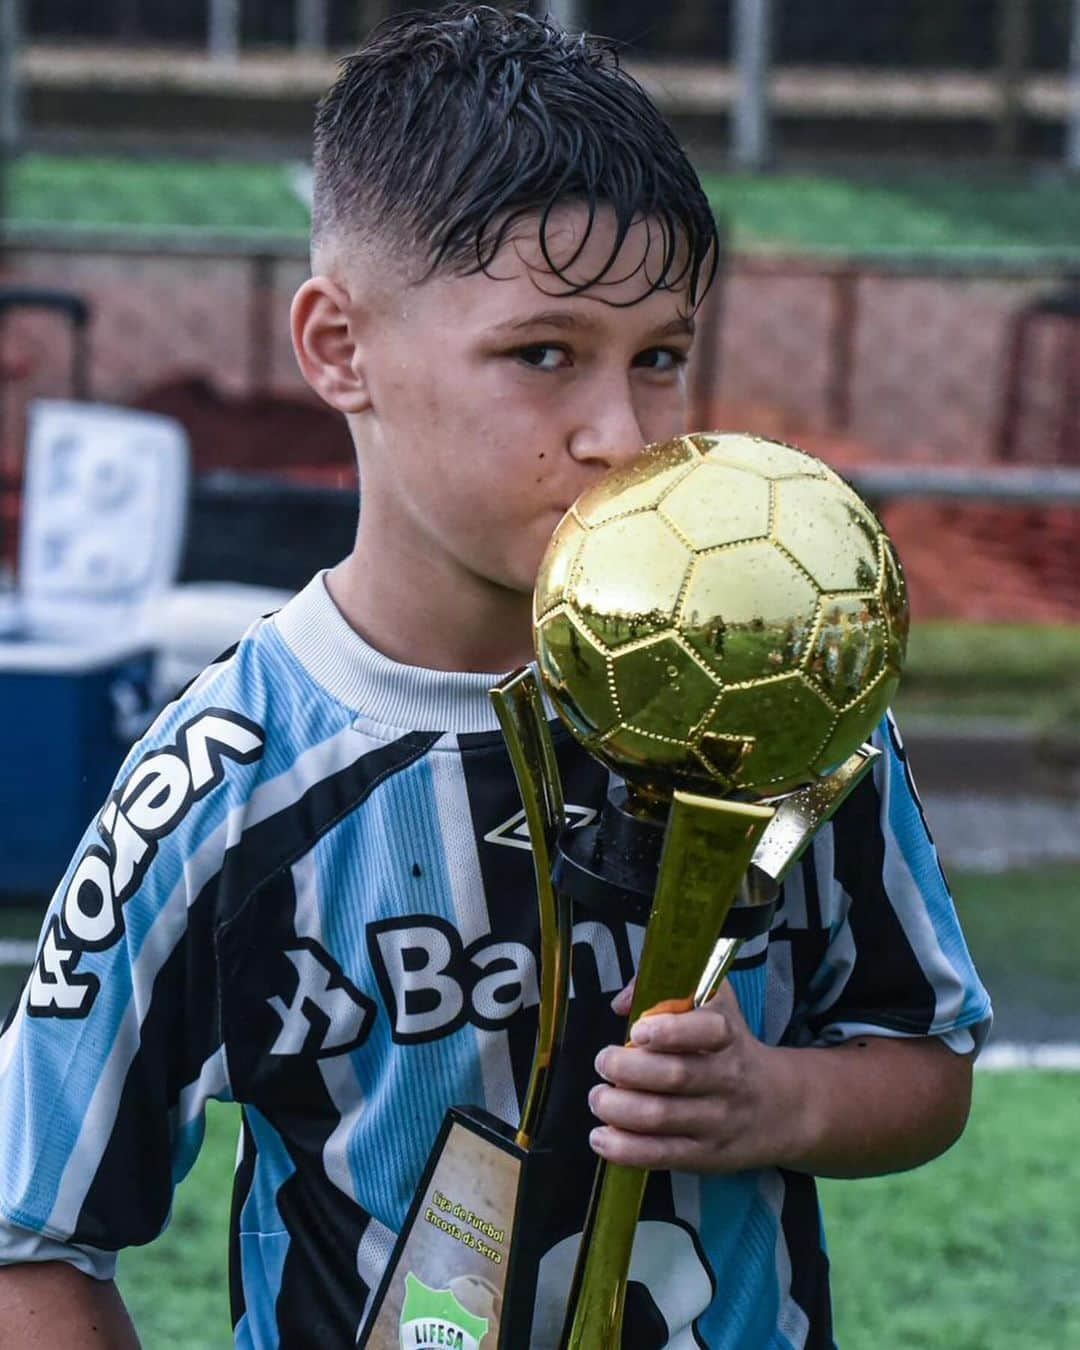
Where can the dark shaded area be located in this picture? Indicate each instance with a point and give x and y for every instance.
(274, 494)
(140, 21)
(265, 531)
(846, 32)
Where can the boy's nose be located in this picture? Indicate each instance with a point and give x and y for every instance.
(609, 436)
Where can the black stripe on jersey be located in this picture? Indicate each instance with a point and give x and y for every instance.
(242, 1179)
(811, 894)
(128, 1200)
(183, 1026)
(800, 1221)
(285, 836)
(321, 1297)
(751, 962)
(887, 985)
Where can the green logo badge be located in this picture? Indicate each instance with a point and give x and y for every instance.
(434, 1319)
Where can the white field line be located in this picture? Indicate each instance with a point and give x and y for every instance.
(1061, 1056)
(17, 951)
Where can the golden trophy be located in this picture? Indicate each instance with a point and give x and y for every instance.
(722, 623)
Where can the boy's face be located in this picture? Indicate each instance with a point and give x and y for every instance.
(495, 399)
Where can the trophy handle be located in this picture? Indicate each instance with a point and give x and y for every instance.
(798, 818)
(707, 849)
(520, 711)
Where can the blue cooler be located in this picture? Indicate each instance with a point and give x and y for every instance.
(69, 717)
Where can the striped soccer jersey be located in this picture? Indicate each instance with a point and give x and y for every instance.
(311, 893)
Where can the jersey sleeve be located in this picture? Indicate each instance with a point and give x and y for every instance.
(895, 961)
(115, 1044)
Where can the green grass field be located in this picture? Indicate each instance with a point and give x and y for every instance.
(1027, 674)
(977, 1251)
(921, 213)
(100, 191)
(817, 212)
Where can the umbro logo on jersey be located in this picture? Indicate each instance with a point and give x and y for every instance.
(326, 1014)
(148, 805)
(514, 833)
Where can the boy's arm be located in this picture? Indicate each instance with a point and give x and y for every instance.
(698, 1092)
(866, 1080)
(50, 1304)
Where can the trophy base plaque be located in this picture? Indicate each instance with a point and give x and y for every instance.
(472, 1235)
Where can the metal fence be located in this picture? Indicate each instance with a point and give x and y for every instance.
(998, 76)
(964, 34)
(876, 364)
(970, 361)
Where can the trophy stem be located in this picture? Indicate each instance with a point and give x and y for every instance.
(520, 710)
(598, 1293)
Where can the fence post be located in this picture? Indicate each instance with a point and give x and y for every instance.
(262, 279)
(844, 318)
(751, 46)
(10, 85)
(1014, 46)
(311, 25)
(224, 30)
(569, 13)
(1072, 138)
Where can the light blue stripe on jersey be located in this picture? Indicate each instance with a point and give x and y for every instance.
(264, 1242)
(749, 987)
(909, 831)
(739, 1232)
(186, 1147)
(407, 1087)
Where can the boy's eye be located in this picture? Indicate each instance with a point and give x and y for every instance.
(661, 359)
(542, 357)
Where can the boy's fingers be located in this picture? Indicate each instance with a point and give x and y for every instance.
(682, 1075)
(649, 1112)
(701, 1030)
(642, 1150)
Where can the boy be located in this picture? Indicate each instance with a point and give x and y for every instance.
(306, 893)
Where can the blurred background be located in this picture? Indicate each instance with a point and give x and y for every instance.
(897, 185)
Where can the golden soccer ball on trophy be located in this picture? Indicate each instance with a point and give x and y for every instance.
(724, 615)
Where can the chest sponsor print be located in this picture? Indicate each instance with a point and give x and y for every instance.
(148, 805)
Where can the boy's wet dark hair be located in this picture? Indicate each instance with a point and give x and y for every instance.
(449, 127)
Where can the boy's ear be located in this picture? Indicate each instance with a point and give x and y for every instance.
(324, 323)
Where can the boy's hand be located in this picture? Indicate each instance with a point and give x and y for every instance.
(697, 1091)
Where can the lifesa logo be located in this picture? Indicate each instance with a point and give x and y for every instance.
(152, 800)
(436, 1319)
